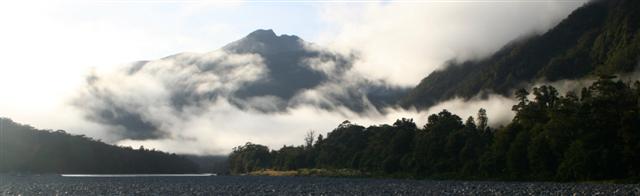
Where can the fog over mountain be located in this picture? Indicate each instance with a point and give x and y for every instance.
(601, 37)
(272, 89)
(262, 72)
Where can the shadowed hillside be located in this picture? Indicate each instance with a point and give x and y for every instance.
(24, 149)
(601, 37)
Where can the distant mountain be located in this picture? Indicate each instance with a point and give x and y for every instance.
(283, 55)
(265, 41)
(601, 37)
(290, 72)
(261, 72)
(24, 149)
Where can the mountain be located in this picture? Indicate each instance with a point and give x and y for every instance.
(290, 72)
(262, 72)
(283, 55)
(601, 37)
(24, 149)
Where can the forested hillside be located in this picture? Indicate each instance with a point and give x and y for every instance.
(601, 37)
(24, 149)
(593, 134)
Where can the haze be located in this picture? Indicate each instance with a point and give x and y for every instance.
(52, 50)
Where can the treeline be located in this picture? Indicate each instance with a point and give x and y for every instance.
(591, 135)
(217, 164)
(603, 36)
(24, 149)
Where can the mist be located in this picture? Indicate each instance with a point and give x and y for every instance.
(365, 57)
(208, 103)
(187, 103)
(402, 42)
(224, 126)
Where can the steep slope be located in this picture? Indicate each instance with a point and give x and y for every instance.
(283, 56)
(24, 149)
(295, 65)
(262, 72)
(602, 37)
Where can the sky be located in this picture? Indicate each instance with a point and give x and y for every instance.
(50, 47)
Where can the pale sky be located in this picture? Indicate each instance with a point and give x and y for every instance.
(49, 47)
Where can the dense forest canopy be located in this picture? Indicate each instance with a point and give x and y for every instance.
(24, 149)
(593, 134)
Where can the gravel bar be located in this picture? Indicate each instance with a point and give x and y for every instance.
(264, 185)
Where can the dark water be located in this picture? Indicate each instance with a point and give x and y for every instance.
(256, 185)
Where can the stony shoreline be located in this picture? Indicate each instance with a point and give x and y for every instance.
(268, 185)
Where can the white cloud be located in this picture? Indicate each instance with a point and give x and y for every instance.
(405, 41)
(49, 48)
(498, 108)
(158, 90)
(224, 126)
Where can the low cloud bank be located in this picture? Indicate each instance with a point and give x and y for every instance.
(206, 103)
(402, 42)
(272, 89)
(188, 103)
(224, 126)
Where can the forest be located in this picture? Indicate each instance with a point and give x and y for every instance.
(25, 149)
(601, 37)
(588, 134)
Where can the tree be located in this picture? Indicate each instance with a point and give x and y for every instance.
(483, 120)
(25, 149)
(545, 96)
(249, 157)
(308, 139)
(517, 160)
(320, 139)
(551, 137)
(470, 123)
(576, 165)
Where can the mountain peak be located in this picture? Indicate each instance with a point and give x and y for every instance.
(265, 41)
(262, 34)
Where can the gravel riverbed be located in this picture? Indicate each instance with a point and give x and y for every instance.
(264, 185)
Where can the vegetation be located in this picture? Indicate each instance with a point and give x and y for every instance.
(311, 172)
(24, 149)
(216, 164)
(591, 136)
(602, 37)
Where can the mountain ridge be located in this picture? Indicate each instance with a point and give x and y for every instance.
(601, 37)
(26, 149)
(261, 72)
(265, 41)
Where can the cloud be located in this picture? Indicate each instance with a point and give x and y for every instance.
(402, 42)
(498, 108)
(207, 103)
(262, 73)
(140, 100)
(214, 126)
(224, 126)
(188, 103)
(49, 47)
(272, 89)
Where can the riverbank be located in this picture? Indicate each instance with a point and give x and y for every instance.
(312, 172)
(351, 173)
(269, 185)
